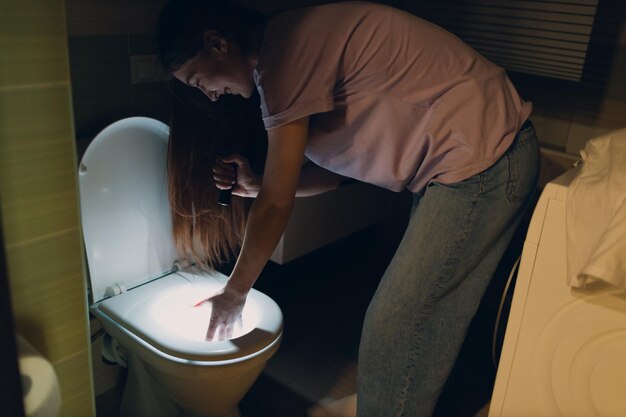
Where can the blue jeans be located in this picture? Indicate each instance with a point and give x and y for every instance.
(418, 318)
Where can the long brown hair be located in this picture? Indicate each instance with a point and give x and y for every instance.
(200, 130)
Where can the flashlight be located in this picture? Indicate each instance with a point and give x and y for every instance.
(224, 197)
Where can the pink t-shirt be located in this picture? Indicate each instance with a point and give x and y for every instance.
(393, 100)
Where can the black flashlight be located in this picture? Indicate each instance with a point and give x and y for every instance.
(224, 197)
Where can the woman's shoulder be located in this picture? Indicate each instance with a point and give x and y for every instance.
(328, 13)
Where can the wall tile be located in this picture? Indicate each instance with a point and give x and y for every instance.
(150, 100)
(32, 60)
(91, 118)
(611, 116)
(579, 135)
(102, 39)
(96, 17)
(33, 17)
(100, 68)
(616, 89)
(47, 292)
(143, 15)
(32, 42)
(552, 125)
(38, 192)
(37, 178)
(76, 393)
(142, 44)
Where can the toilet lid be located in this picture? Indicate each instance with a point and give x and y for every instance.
(124, 205)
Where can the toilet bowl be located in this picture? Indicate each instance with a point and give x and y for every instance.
(145, 302)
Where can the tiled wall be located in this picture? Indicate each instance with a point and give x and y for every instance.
(566, 120)
(101, 38)
(38, 194)
(568, 114)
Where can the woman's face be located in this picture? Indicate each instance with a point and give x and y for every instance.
(219, 69)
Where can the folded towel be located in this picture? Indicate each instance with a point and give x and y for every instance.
(596, 214)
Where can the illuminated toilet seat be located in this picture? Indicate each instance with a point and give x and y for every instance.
(177, 333)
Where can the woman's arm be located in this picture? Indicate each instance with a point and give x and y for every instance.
(270, 211)
(266, 223)
(313, 178)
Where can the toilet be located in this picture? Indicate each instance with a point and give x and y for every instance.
(145, 302)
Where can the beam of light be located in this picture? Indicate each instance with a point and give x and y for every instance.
(175, 312)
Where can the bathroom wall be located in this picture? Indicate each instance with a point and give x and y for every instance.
(566, 114)
(38, 201)
(102, 38)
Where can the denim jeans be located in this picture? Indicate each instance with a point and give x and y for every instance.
(418, 318)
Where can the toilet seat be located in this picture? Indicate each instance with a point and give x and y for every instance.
(135, 312)
(130, 251)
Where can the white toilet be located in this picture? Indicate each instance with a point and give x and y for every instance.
(144, 302)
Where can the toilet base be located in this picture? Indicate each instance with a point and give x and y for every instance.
(144, 397)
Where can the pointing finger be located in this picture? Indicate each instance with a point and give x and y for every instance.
(223, 332)
(210, 333)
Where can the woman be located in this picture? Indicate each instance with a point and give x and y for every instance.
(368, 92)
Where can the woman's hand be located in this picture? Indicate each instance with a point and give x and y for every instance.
(234, 171)
(225, 314)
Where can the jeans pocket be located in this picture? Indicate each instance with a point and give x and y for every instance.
(523, 159)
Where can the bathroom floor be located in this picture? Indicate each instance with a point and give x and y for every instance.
(324, 296)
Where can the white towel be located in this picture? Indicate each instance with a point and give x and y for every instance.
(596, 214)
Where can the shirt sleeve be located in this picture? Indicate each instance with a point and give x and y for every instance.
(296, 73)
